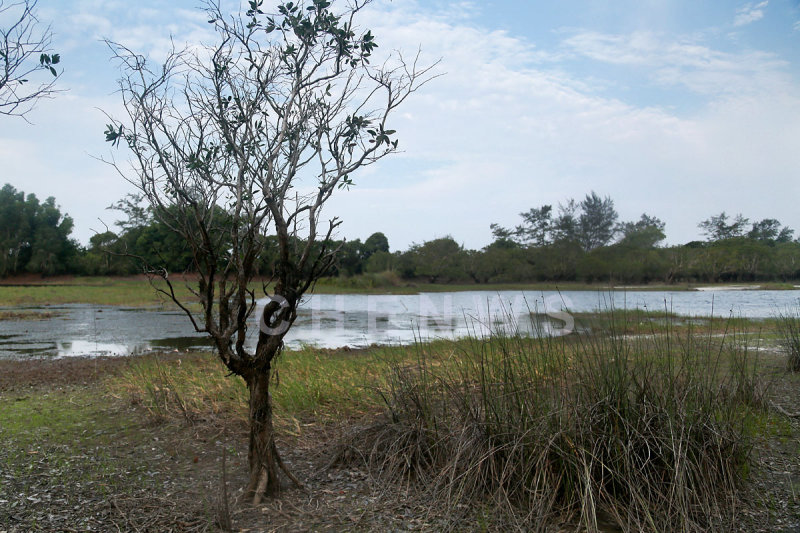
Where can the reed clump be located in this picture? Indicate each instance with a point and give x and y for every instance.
(789, 334)
(639, 433)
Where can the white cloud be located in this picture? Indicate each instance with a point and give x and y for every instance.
(750, 13)
(683, 62)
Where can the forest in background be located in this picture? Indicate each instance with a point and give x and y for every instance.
(576, 241)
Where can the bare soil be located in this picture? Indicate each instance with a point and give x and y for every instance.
(125, 471)
(115, 468)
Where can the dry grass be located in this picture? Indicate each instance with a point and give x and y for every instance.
(645, 434)
(788, 323)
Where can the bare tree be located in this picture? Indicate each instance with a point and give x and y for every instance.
(250, 138)
(24, 50)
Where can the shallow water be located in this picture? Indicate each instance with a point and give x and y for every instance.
(360, 320)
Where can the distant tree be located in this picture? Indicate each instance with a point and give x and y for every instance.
(439, 260)
(565, 227)
(377, 242)
(597, 221)
(497, 263)
(34, 236)
(15, 231)
(535, 227)
(24, 51)
(646, 232)
(349, 258)
(51, 248)
(97, 259)
(717, 227)
(769, 230)
(503, 236)
(137, 214)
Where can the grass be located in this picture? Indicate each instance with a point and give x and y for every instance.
(643, 433)
(138, 292)
(52, 418)
(788, 323)
(308, 383)
(55, 439)
(129, 292)
(645, 322)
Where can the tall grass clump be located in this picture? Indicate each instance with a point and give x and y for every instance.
(644, 433)
(789, 333)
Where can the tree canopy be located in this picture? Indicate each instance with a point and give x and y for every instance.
(34, 235)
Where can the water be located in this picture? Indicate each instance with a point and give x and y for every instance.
(360, 320)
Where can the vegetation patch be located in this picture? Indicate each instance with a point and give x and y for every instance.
(308, 383)
(27, 315)
(645, 434)
(788, 323)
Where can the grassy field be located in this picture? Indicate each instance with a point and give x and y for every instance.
(139, 292)
(649, 422)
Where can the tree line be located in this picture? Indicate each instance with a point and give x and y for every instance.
(585, 241)
(577, 241)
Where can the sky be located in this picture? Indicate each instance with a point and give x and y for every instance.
(678, 109)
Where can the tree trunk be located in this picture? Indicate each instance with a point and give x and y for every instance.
(262, 454)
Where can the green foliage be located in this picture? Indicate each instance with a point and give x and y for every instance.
(439, 260)
(379, 262)
(377, 242)
(646, 232)
(770, 231)
(597, 221)
(34, 236)
(717, 227)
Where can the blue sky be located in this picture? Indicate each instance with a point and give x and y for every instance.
(681, 109)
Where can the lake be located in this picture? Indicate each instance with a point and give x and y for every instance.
(355, 320)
